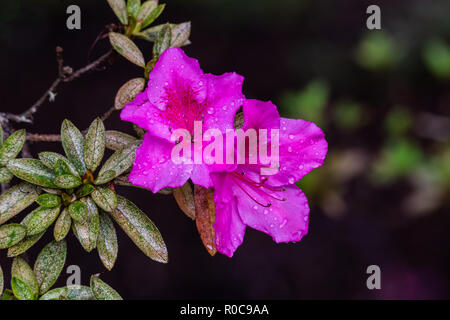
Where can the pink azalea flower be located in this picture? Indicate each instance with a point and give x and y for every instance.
(272, 204)
(178, 94)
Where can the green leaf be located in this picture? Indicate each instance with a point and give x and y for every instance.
(62, 168)
(1, 137)
(107, 242)
(27, 242)
(105, 198)
(10, 234)
(120, 9)
(133, 8)
(16, 199)
(1, 271)
(118, 163)
(84, 190)
(94, 145)
(69, 293)
(103, 291)
(50, 160)
(437, 58)
(41, 219)
(73, 144)
(48, 200)
(128, 92)
(62, 225)
(33, 171)
(78, 211)
(12, 146)
(49, 264)
(8, 295)
(5, 175)
(67, 181)
(116, 140)
(23, 283)
(163, 40)
(127, 48)
(140, 229)
(145, 10)
(180, 34)
(153, 15)
(87, 231)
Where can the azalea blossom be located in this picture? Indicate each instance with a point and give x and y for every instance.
(269, 203)
(179, 93)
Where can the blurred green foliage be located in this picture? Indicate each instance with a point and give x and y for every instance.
(376, 51)
(437, 58)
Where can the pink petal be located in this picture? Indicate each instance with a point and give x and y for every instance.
(284, 220)
(302, 148)
(229, 228)
(154, 168)
(223, 100)
(260, 115)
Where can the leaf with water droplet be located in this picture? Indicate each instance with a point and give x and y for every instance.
(185, 199)
(94, 145)
(78, 211)
(73, 144)
(205, 217)
(67, 181)
(33, 171)
(48, 200)
(103, 291)
(140, 229)
(49, 264)
(107, 246)
(27, 242)
(50, 160)
(12, 146)
(127, 48)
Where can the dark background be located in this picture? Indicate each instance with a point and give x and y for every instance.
(382, 97)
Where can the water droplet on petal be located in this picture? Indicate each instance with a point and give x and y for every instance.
(283, 223)
(291, 136)
(290, 149)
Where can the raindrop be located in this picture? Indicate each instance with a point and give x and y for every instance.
(283, 224)
(291, 136)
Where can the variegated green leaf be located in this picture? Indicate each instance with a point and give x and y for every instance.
(103, 291)
(67, 181)
(145, 11)
(118, 163)
(33, 171)
(50, 160)
(107, 242)
(140, 229)
(41, 219)
(120, 9)
(62, 168)
(180, 34)
(78, 211)
(1, 135)
(163, 40)
(128, 92)
(62, 225)
(84, 190)
(10, 234)
(105, 198)
(16, 199)
(133, 7)
(48, 200)
(127, 48)
(27, 242)
(12, 146)
(49, 264)
(153, 15)
(5, 175)
(73, 144)
(94, 145)
(116, 140)
(23, 283)
(87, 231)
(1, 271)
(69, 293)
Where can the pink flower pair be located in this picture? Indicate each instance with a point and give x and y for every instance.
(178, 95)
